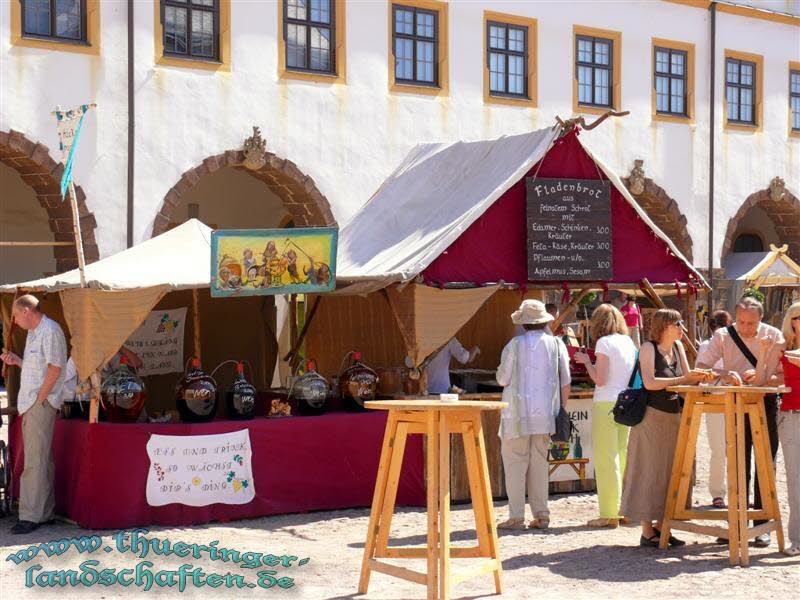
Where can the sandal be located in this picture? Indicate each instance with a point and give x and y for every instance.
(793, 551)
(673, 541)
(651, 542)
(512, 524)
(718, 502)
(540, 523)
(603, 522)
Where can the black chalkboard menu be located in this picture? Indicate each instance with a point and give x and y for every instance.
(569, 229)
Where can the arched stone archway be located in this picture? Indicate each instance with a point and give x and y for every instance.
(301, 198)
(41, 172)
(781, 206)
(662, 209)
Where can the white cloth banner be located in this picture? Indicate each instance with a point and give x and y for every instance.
(159, 342)
(198, 470)
(580, 411)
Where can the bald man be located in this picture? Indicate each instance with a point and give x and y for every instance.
(38, 401)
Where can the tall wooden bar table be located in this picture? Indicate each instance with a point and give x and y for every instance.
(734, 402)
(437, 420)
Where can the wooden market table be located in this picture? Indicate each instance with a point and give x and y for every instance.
(734, 402)
(437, 420)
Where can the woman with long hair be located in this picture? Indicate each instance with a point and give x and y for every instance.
(651, 446)
(616, 358)
(779, 363)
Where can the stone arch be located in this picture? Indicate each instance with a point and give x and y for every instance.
(41, 172)
(782, 207)
(301, 198)
(661, 209)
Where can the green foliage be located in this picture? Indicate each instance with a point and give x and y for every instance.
(754, 292)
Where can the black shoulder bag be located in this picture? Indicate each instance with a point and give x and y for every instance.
(741, 345)
(564, 425)
(631, 404)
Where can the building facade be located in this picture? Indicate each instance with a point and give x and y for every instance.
(342, 90)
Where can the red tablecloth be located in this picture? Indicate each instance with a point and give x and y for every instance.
(299, 464)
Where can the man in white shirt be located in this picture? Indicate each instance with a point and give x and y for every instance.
(38, 402)
(439, 367)
(737, 368)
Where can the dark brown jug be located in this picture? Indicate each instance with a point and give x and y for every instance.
(241, 397)
(123, 394)
(357, 384)
(196, 395)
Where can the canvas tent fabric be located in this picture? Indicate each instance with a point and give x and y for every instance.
(445, 212)
(101, 321)
(179, 259)
(435, 194)
(429, 317)
(494, 247)
(765, 269)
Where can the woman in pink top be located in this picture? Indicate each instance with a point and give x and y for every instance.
(630, 310)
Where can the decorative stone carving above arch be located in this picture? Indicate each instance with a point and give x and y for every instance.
(307, 206)
(662, 209)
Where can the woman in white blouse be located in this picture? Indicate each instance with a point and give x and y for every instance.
(534, 373)
(611, 373)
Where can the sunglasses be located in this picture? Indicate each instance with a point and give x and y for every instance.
(796, 318)
(678, 323)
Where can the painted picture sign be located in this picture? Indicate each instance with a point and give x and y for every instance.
(569, 229)
(251, 262)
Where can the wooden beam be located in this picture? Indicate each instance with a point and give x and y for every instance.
(196, 322)
(299, 342)
(14, 244)
(576, 299)
(652, 295)
(401, 572)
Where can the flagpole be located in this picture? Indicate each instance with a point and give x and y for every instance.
(76, 230)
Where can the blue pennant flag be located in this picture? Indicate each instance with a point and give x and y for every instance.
(68, 133)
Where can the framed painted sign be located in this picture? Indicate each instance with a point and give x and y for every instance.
(253, 262)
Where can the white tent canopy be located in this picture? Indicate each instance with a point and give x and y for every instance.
(179, 259)
(764, 269)
(436, 193)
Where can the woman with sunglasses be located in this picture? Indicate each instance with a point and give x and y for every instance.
(780, 364)
(651, 446)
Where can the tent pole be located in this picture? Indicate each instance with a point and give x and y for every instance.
(568, 308)
(691, 310)
(76, 230)
(196, 322)
(94, 397)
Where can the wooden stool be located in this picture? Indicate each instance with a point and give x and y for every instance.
(437, 420)
(578, 465)
(734, 403)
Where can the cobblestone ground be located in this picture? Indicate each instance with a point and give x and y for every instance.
(567, 561)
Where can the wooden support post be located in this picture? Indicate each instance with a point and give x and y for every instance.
(196, 323)
(691, 310)
(651, 294)
(94, 397)
(34, 244)
(76, 230)
(309, 317)
(576, 299)
(292, 326)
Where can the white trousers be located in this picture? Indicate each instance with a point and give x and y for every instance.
(789, 434)
(525, 466)
(633, 333)
(715, 428)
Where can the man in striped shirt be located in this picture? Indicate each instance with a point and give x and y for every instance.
(43, 366)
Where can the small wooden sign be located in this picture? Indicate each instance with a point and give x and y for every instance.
(568, 229)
